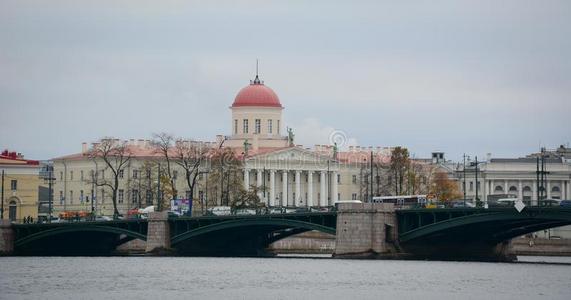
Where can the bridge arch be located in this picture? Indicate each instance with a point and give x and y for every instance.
(58, 231)
(275, 224)
(494, 227)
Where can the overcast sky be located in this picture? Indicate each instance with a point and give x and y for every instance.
(456, 76)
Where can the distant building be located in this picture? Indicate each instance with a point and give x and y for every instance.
(20, 186)
(290, 174)
(517, 177)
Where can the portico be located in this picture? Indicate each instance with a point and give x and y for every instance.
(293, 177)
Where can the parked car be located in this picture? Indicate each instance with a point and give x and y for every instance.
(219, 211)
(245, 211)
(550, 202)
(277, 210)
(103, 218)
(565, 203)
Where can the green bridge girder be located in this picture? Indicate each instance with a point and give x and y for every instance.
(278, 225)
(492, 225)
(29, 233)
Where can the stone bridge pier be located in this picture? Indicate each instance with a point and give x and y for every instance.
(158, 233)
(366, 230)
(6, 238)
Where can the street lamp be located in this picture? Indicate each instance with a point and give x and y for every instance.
(475, 164)
(49, 178)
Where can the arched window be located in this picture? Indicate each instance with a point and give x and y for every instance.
(12, 210)
(499, 188)
(555, 189)
(526, 189)
(513, 189)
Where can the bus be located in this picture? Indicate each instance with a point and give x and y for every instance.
(403, 200)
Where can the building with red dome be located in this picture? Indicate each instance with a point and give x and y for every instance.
(256, 118)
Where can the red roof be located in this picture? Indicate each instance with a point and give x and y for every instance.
(12, 157)
(257, 94)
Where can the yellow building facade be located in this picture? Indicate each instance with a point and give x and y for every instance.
(20, 187)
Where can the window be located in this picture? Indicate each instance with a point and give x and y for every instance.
(245, 126)
(61, 176)
(135, 174)
(174, 174)
(14, 185)
(235, 126)
(70, 197)
(120, 196)
(200, 176)
(149, 197)
(134, 196)
(319, 196)
(81, 175)
(258, 126)
(354, 196)
(61, 197)
(91, 174)
(120, 173)
(93, 195)
(201, 195)
(188, 195)
(102, 196)
(471, 185)
(338, 196)
(278, 126)
(81, 196)
(270, 126)
(478, 185)
(338, 178)
(354, 180)
(148, 173)
(70, 175)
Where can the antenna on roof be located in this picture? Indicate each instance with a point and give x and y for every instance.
(256, 67)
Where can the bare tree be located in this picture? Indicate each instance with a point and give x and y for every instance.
(163, 144)
(115, 155)
(190, 156)
(226, 177)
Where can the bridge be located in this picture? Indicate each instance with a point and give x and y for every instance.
(360, 229)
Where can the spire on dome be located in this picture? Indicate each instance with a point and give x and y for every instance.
(257, 79)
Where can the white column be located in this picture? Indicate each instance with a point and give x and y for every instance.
(246, 179)
(297, 188)
(284, 188)
(568, 197)
(505, 187)
(260, 183)
(322, 200)
(520, 191)
(548, 189)
(334, 192)
(491, 191)
(272, 187)
(309, 188)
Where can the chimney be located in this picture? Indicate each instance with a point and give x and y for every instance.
(84, 147)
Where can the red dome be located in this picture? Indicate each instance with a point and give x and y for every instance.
(257, 94)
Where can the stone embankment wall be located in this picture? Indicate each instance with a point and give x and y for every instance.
(305, 243)
(541, 247)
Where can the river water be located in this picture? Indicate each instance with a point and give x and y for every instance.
(277, 278)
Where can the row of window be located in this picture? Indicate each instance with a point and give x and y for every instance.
(257, 126)
(135, 174)
(135, 196)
